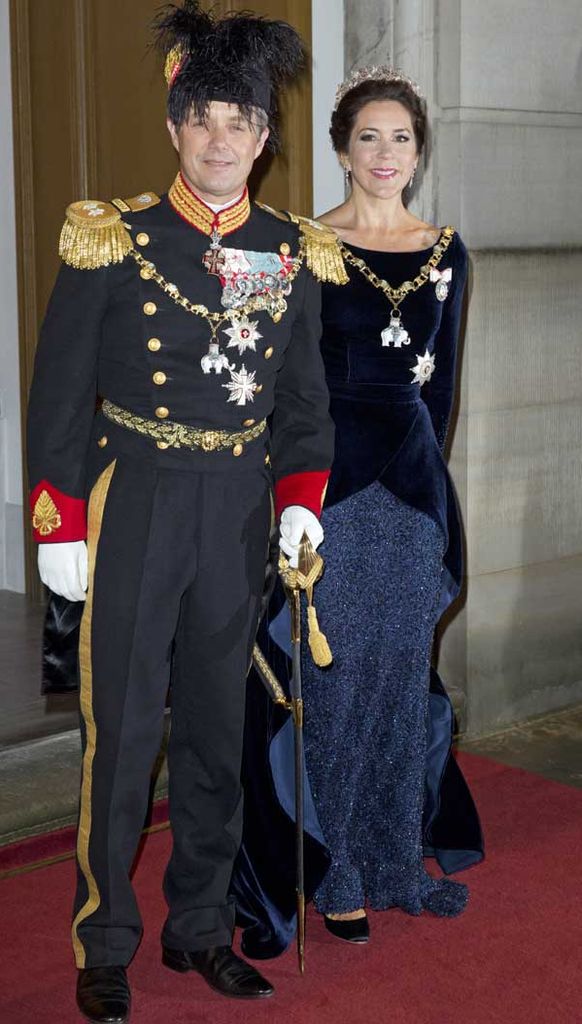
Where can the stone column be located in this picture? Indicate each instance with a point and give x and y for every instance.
(503, 86)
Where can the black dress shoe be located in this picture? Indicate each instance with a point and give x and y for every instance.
(103, 995)
(224, 971)
(357, 930)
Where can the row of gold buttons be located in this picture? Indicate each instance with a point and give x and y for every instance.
(159, 377)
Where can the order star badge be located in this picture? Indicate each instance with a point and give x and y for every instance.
(243, 334)
(242, 386)
(424, 368)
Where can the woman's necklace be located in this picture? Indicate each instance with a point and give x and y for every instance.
(395, 334)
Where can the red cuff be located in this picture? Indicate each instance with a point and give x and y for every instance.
(307, 489)
(56, 517)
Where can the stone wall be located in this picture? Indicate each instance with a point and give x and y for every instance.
(516, 647)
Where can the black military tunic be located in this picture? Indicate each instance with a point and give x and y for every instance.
(177, 535)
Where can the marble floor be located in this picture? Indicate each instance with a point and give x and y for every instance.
(40, 750)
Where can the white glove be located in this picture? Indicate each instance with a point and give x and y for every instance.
(295, 521)
(63, 568)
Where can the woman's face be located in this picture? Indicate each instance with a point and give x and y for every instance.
(382, 150)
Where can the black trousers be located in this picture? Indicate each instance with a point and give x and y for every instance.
(176, 562)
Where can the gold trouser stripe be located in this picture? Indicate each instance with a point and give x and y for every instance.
(95, 518)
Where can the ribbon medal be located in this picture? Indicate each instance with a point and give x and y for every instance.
(442, 279)
(244, 273)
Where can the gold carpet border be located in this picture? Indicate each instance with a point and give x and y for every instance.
(95, 518)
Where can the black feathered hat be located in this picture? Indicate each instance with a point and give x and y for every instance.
(242, 59)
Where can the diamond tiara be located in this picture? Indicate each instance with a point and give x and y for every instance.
(373, 73)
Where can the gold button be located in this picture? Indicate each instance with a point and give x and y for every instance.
(268, 353)
(248, 423)
(162, 412)
(237, 450)
(162, 445)
(102, 441)
(283, 248)
(147, 273)
(277, 317)
(154, 344)
(159, 377)
(142, 238)
(258, 389)
(150, 308)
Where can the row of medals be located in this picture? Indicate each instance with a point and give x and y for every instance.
(270, 293)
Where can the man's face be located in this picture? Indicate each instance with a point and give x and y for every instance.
(217, 154)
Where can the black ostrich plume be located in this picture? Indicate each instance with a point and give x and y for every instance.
(242, 59)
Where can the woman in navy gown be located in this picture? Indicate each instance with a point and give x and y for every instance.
(378, 724)
(392, 535)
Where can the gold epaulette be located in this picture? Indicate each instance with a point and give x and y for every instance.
(319, 244)
(322, 251)
(93, 236)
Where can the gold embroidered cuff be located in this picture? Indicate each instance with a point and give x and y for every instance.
(46, 517)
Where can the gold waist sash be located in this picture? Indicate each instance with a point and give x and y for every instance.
(178, 435)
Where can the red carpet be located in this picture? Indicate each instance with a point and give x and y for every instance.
(514, 957)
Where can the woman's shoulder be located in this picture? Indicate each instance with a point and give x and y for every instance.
(335, 218)
(458, 248)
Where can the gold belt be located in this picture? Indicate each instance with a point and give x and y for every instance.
(178, 435)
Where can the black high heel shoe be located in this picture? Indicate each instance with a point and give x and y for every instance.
(357, 930)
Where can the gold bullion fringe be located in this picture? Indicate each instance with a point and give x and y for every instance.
(95, 518)
(87, 245)
(322, 251)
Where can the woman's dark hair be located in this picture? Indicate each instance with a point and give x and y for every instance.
(372, 91)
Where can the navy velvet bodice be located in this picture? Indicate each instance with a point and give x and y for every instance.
(355, 315)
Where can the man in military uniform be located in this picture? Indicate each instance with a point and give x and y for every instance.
(191, 319)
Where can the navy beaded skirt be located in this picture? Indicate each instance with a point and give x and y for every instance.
(365, 717)
(383, 790)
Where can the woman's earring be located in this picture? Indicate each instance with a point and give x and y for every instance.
(347, 176)
(411, 180)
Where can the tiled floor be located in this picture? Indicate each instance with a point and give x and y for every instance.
(39, 741)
